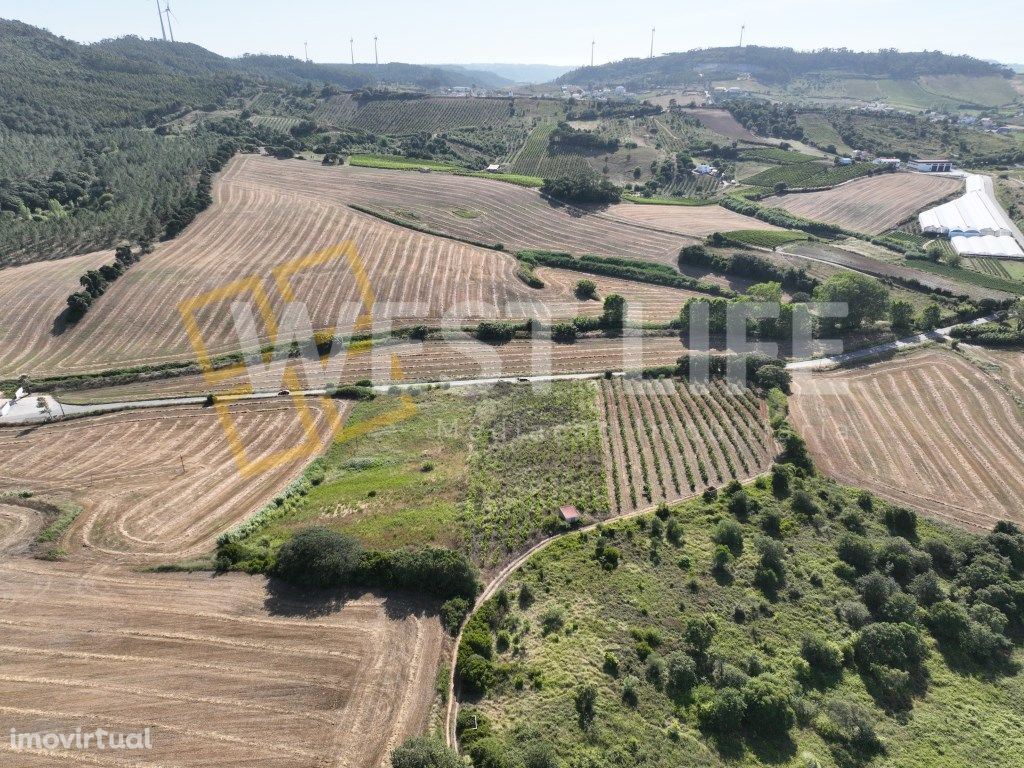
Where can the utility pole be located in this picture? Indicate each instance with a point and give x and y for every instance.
(352, 49)
(160, 13)
(167, 11)
(742, 30)
(376, 60)
(652, 42)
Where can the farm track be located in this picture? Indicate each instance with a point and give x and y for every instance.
(223, 674)
(675, 436)
(930, 431)
(267, 213)
(432, 361)
(871, 205)
(161, 485)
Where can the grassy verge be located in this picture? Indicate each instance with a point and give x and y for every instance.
(684, 201)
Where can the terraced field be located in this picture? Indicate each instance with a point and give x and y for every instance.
(665, 440)
(161, 485)
(870, 205)
(221, 673)
(930, 431)
(267, 213)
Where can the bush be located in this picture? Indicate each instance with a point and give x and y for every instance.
(681, 674)
(563, 333)
(902, 522)
(739, 505)
(552, 620)
(440, 572)
(453, 612)
(584, 701)
(875, 589)
(722, 711)
(317, 557)
(769, 706)
(476, 674)
(729, 533)
(856, 551)
(824, 657)
(583, 188)
(898, 646)
(424, 752)
(586, 289)
(631, 690)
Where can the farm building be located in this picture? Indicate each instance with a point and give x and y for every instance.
(975, 223)
(895, 162)
(569, 514)
(931, 166)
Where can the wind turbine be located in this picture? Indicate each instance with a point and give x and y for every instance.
(170, 29)
(742, 30)
(352, 49)
(160, 13)
(592, 44)
(652, 42)
(376, 60)
(305, 48)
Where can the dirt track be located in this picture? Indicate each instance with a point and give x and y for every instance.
(930, 431)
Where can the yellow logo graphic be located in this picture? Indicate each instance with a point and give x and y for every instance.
(253, 287)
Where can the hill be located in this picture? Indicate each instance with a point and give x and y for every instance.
(777, 66)
(519, 73)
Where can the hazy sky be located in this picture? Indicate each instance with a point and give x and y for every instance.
(540, 31)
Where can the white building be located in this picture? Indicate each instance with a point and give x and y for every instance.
(931, 166)
(976, 223)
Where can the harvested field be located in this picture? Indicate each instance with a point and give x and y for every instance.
(693, 220)
(431, 361)
(722, 122)
(665, 440)
(930, 431)
(222, 672)
(17, 526)
(516, 217)
(655, 303)
(267, 213)
(871, 205)
(159, 485)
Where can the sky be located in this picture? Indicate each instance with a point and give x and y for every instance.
(539, 31)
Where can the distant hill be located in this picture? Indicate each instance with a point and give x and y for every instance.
(520, 73)
(777, 66)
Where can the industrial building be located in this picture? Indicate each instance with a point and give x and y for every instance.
(976, 223)
(931, 166)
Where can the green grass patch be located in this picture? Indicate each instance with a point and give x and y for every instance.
(395, 163)
(55, 530)
(685, 201)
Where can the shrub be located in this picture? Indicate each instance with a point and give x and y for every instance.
(476, 674)
(699, 633)
(901, 521)
(539, 754)
(729, 533)
(769, 706)
(739, 505)
(722, 711)
(425, 752)
(584, 701)
(563, 333)
(899, 646)
(681, 674)
(875, 589)
(490, 752)
(552, 620)
(856, 551)
(803, 504)
(926, 589)
(611, 664)
(317, 557)
(823, 656)
(586, 289)
(631, 690)
(453, 612)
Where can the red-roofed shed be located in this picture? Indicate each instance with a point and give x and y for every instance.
(570, 514)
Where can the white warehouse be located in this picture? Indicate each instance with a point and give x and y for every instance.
(976, 223)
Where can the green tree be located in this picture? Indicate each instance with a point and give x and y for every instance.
(584, 701)
(586, 289)
(865, 298)
(317, 557)
(901, 315)
(931, 316)
(614, 315)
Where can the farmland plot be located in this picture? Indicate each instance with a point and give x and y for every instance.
(431, 115)
(930, 431)
(159, 485)
(665, 440)
(518, 218)
(692, 220)
(870, 205)
(222, 673)
(722, 122)
(268, 213)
